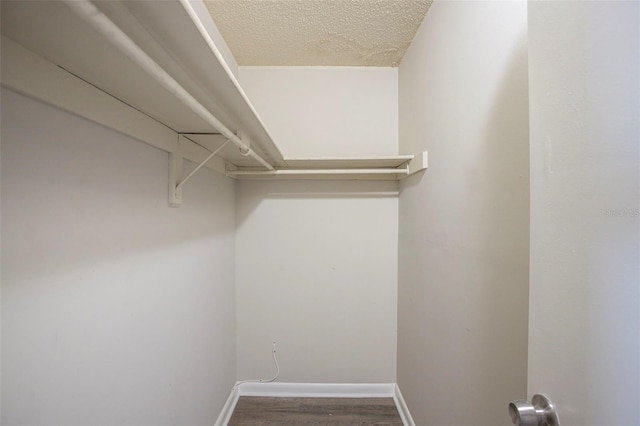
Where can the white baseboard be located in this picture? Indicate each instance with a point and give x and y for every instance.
(403, 410)
(316, 390)
(227, 409)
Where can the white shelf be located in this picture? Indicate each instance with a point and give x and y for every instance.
(321, 174)
(349, 162)
(164, 30)
(334, 168)
(49, 52)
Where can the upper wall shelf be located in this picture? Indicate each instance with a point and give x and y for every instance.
(166, 33)
(155, 64)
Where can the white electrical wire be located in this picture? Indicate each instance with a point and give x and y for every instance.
(275, 361)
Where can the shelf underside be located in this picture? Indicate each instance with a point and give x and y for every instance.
(167, 34)
(72, 49)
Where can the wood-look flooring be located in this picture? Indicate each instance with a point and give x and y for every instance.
(263, 411)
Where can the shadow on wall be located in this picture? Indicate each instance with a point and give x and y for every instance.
(76, 192)
(505, 227)
(107, 292)
(252, 193)
(464, 247)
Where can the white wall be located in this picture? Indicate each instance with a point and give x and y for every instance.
(317, 261)
(463, 237)
(584, 342)
(115, 308)
(326, 111)
(317, 274)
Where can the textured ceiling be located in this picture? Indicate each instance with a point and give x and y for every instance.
(318, 32)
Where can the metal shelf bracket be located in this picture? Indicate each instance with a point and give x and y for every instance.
(176, 166)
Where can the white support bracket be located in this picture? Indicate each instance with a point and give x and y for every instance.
(175, 174)
(418, 163)
(176, 181)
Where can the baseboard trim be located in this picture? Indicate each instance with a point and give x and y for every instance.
(316, 390)
(229, 406)
(401, 405)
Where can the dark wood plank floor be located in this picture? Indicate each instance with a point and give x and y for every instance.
(261, 411)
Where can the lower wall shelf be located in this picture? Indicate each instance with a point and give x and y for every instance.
(339, 168)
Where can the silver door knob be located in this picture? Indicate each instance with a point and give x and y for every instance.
(539, 412)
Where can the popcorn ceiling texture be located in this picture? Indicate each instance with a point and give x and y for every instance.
(318, 32)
